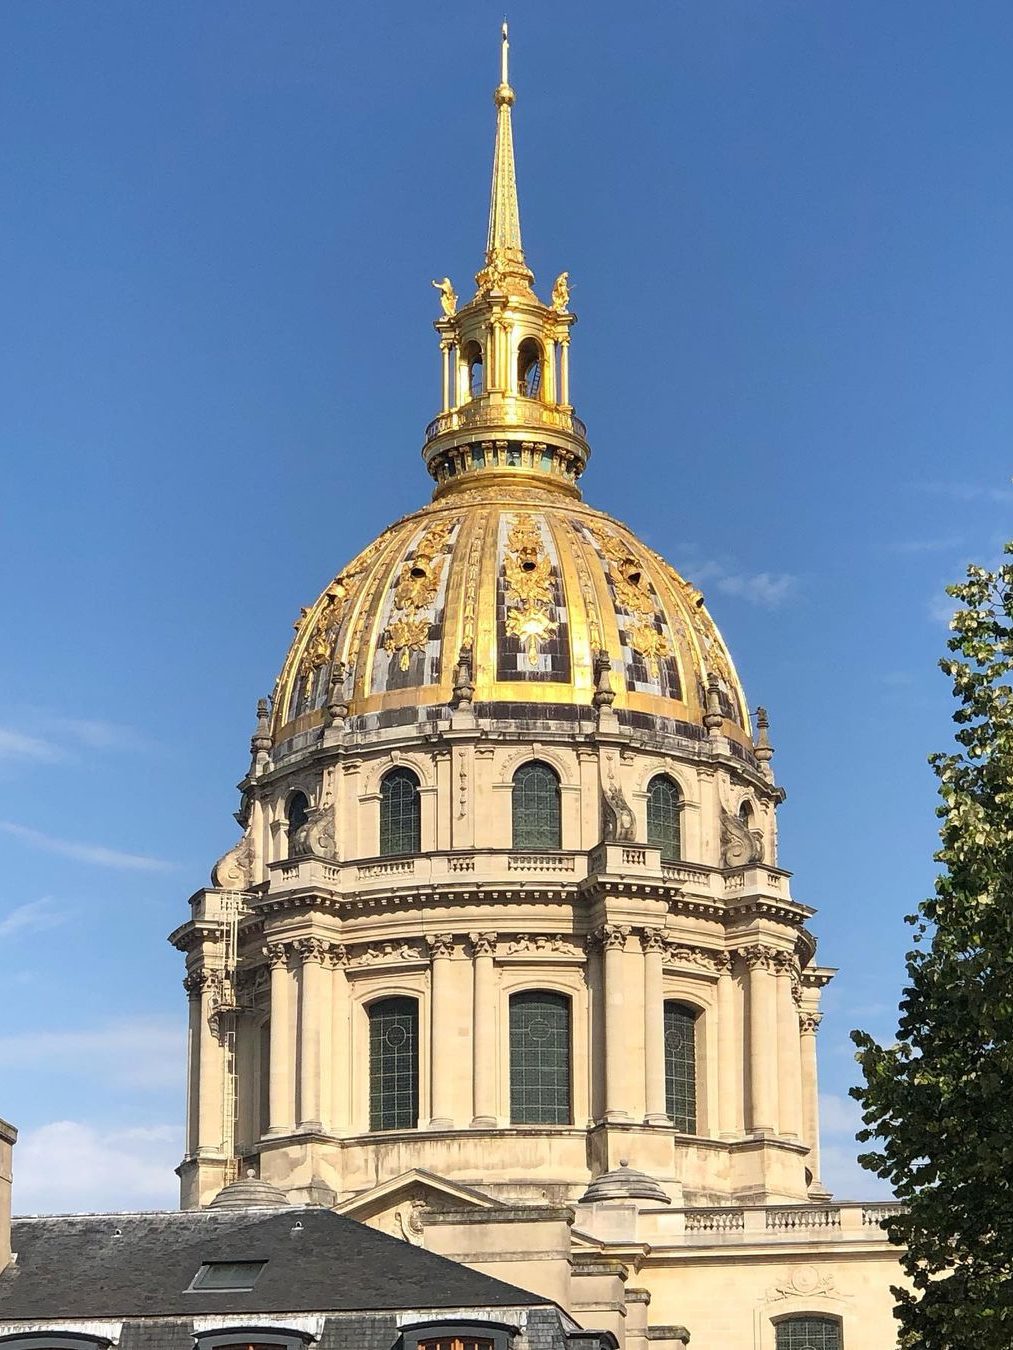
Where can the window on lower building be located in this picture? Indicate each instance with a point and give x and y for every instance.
(227, 1276)
(540, 1058)
(536, 814)
(809, 1333)
(251, 1338)
(394, 1064)
(680, 1065)
(400, 813)
(456, 1343)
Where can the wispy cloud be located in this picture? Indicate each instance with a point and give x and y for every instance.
(145, 1053)
(31, 917)
(70, 1166)
(766, 589)
(19, 745)
(98, 854)
(94, 733)
(841, 1119)
(968, 492)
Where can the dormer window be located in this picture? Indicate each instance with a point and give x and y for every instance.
(226, 1277)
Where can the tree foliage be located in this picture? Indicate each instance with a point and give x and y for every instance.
(938, 1104)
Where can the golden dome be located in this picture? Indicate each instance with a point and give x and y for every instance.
(507, 593)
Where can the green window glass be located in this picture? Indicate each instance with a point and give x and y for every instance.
(680, 1066)
(394, 1064)
(536, 808)
(400, 813)
(809, 1333)
(539, 1058)
(664, 817)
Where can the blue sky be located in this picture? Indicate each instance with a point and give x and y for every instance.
(788, 231)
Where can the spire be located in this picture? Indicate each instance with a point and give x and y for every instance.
(504, 252)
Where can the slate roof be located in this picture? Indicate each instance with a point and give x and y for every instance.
(76, 1266)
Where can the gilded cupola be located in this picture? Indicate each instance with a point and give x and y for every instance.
(507, 595)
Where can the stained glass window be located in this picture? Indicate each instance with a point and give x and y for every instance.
(536, 807)
(400, 813)
(680, 1066)
(809, 1333)
(540, 1058)
(394, 1064)
(664, 817)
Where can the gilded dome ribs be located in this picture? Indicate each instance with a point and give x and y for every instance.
(415, 594)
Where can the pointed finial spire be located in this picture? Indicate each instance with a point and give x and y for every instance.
(504, 252)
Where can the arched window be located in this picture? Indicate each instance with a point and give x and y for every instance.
(400, 813)
(680, 1066)
(540, 1058)
(809, 1332)
(529, 369)
(394, 1064)
(298, 814)
(474, 369)
(664, 817)
(536, 816)
(746, 815)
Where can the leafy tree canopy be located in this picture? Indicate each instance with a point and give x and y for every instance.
(938, 1104)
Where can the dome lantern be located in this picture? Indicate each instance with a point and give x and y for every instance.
(505, 355)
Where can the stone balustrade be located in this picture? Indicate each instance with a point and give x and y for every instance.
(779, 1223)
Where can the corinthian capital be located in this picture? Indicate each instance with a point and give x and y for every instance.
(440, 944)
(197, 981)
(761, 957)
(653, 940)
(277, 954)
(613, 936)
(312, 949)
(483, 944)
(809, 1022)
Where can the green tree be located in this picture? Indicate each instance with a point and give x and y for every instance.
(938, 1104)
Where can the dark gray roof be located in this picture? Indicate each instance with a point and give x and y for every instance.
(77, 1266)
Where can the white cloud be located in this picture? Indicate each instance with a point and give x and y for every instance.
(19, 745)
(968, 492)
(843, 1176)
(89, 853)
(839, 1115)
(30, 917)
(71, 1166)
(94, 733)
(147, 1053)
(767, 589)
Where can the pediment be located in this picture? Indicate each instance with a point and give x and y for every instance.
(393, 1207)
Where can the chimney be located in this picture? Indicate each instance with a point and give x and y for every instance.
(8, 1134)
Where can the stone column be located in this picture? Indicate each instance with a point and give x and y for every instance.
(654, 1027)
(762, 1038)
(613, 940)
(564, 369)
(445, 356)
(484, 1031)
(729, 1066)
(192, 985)
(441, 1061)
(808, 1026)
(281, 1108)
(312, 952)
(339, 1067)
(212, 1074)
(789, 1053)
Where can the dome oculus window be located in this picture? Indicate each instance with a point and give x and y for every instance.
(536, 812)
(664, 817)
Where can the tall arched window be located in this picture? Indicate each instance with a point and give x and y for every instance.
(471, 355)
(680, 1066)
(394, 1064)
(400, 813)
(664, 816)
(809, 1332)
(298, 814)
(536, 815)
(529, 369)
(540, 1058)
